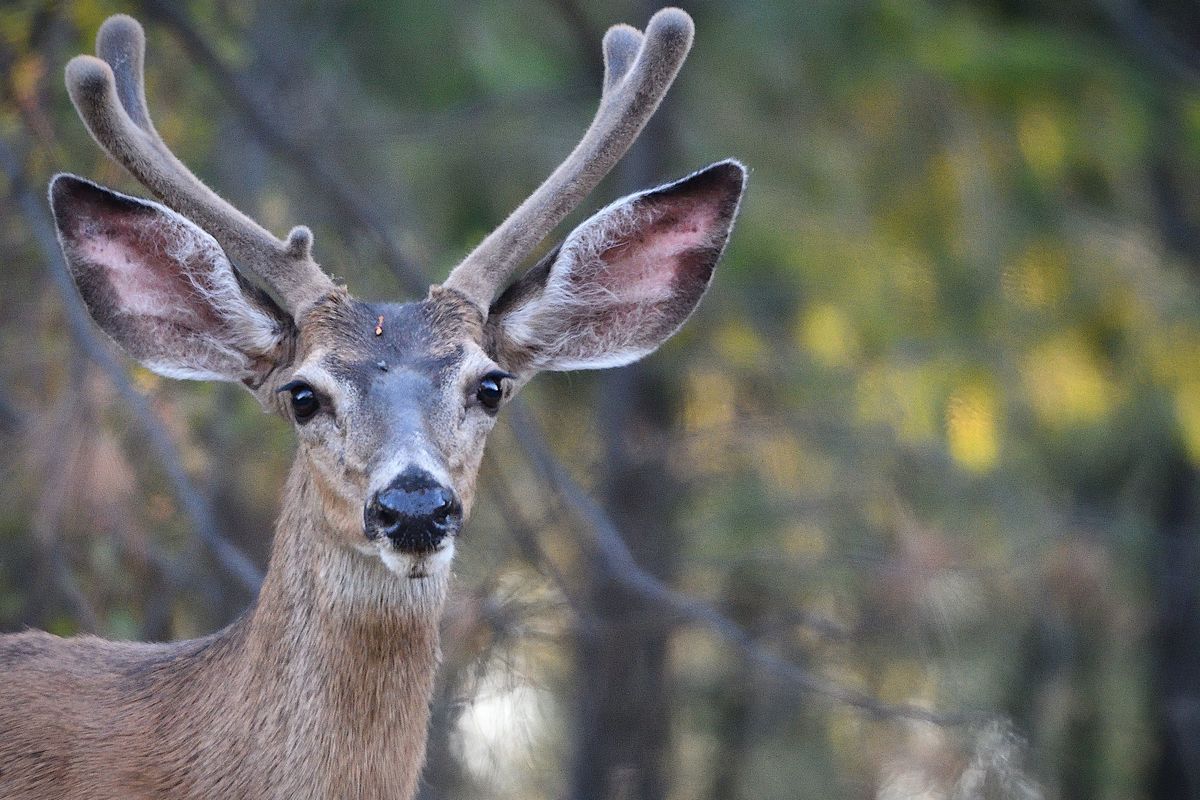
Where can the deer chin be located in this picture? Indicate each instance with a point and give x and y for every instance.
(407, 565)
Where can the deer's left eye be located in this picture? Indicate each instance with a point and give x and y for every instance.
(490, 391)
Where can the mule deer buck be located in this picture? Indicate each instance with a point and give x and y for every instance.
(322, 688)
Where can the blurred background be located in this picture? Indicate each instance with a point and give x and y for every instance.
(909, 509)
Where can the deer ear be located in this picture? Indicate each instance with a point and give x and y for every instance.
(163, 288)
(623, 281)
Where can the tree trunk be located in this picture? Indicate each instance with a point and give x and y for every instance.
(622, 722)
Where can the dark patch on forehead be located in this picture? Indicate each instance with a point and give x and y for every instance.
(426, 336)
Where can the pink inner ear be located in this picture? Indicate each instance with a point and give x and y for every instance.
(648, 264)
(154, 271)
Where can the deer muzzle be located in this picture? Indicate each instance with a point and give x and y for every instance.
(415, 512)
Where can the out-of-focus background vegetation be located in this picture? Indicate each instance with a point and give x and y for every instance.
(913, 501)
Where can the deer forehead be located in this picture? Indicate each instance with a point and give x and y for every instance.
(367, 346)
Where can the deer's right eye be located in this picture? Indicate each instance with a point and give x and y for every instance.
(305, 403)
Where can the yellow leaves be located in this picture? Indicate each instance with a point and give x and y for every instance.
(1174, 359)
(903, 397)
(1174, 354)
(1042, 141)
(1039, 278)
(708, 415)
(779, 460)
(145, 380)
(923, 403)
(708, 402)
(805, 540)
(14, 24)
(845, 730)
(25, 77)
(905, 681)
(1191, 115)
(87, 15)
(1187, 414)
(27, 68)
(972, 428)
(828, 336)
(877, 110)
(948, 173)
(738, 344)
(915, 280)
(1067, 384)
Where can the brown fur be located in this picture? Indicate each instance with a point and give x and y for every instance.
(312, 693)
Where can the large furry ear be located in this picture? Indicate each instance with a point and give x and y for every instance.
(163, 288)
(623, 281)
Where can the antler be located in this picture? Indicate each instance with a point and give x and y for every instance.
(108, 93)
(638, 70)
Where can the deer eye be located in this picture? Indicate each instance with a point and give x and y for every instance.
(491, 389)
(305, 402)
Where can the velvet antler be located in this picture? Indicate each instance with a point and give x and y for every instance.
(638, 70)
(109, 96)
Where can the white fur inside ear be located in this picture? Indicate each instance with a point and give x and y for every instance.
(610, 297)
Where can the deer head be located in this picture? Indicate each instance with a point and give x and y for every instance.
(392, 402)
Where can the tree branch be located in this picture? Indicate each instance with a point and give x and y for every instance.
(1140, 30)
(313, 167)
(190, 500)
(613, 556)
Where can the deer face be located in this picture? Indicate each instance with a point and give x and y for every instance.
(391, 402)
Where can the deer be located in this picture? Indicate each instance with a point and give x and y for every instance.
(321, 689)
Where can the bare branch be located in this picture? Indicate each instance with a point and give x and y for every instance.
(313, 168)
(522, 532)
(190, 500)
(12, 421)
(607, 545)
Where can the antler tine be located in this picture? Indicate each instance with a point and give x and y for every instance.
(108, 92)
(621, 46)
(638, 70)
(121, 43)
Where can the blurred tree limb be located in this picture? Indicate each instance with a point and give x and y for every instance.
(191, 501)
(11, 419)
(54, 479)
(1133, 23)
(313, 166)
(607, 545)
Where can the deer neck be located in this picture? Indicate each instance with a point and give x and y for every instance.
(346, 647)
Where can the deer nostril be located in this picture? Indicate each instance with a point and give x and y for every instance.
(386, 509)
(392, 503)
(448, 508)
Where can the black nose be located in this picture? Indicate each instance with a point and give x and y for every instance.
(414, 511)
